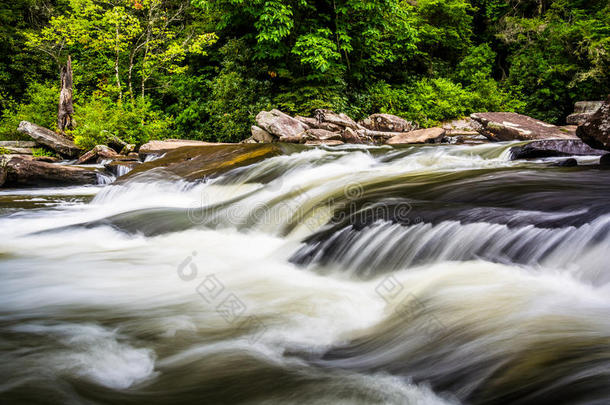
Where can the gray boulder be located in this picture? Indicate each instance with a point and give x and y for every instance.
(50, 139)
(595, 132)
(260, 135)
(280, 124)
(583, 111)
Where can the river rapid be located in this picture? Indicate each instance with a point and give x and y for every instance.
(351, 275)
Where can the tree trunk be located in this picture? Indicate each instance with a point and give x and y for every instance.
(66, 107)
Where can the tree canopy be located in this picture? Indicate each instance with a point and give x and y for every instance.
(203, 68)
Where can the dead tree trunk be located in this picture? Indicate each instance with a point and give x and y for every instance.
(66, 107)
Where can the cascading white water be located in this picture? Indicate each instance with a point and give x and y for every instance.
(354, 275)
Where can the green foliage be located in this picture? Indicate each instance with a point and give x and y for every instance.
(39, 106)
(214, 64)
(99, 118)
(39, 152)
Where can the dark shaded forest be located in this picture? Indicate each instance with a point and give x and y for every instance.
(203, 69)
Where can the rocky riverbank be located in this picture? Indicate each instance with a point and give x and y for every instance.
(196, 159)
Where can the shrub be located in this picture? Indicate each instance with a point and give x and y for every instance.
(39, 106)
(99, 117)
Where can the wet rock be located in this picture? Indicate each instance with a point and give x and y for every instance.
(161, 147)
(121, 167)
(553, 148)
(428, 135)
(567, 163)
(507, 126)
(387, 123)
(605, 160)
(331, 117)
(583, 111)
(260, 135)
(203, 161)
(2, 170)
(97, 154)
(50, 139)
(31, 173)
(280, 124)
(595, 132)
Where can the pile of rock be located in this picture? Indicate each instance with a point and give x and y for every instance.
(330, 128)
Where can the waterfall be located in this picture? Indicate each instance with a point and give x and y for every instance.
(425, 274)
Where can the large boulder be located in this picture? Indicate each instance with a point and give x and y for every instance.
(160, 147)
(553, 148)
(595, 132)
(427, 135)
(507, 126)
(583, 111)
(23, 171)
(97, 155)
(260, 135)
(387, 123)
(280, 124)
(50, 139)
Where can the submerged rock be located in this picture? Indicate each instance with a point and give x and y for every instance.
(552, 148)
(595, 132)
(202, 161)
(428, 135)
(22, 171)
(507, 126)
(50, 139)
(97, 154)
(568, 163)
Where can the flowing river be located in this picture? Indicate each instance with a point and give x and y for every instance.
(352, 275)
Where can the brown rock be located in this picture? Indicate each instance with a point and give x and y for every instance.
(121, 167)
(48, 159)
(388, 123)
(198, 162)
(350, 136)
(97, 154)
(18, 144)
(27, 172)
(161, 147)
(595, 132)
(292, 138)
(428, 135)
(50, 139)
(310, 122)
(260, 135)
(329, 142)
(280, 124)
(507, 126)
(127, 149)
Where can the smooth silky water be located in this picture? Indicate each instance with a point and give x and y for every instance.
(352, 275)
